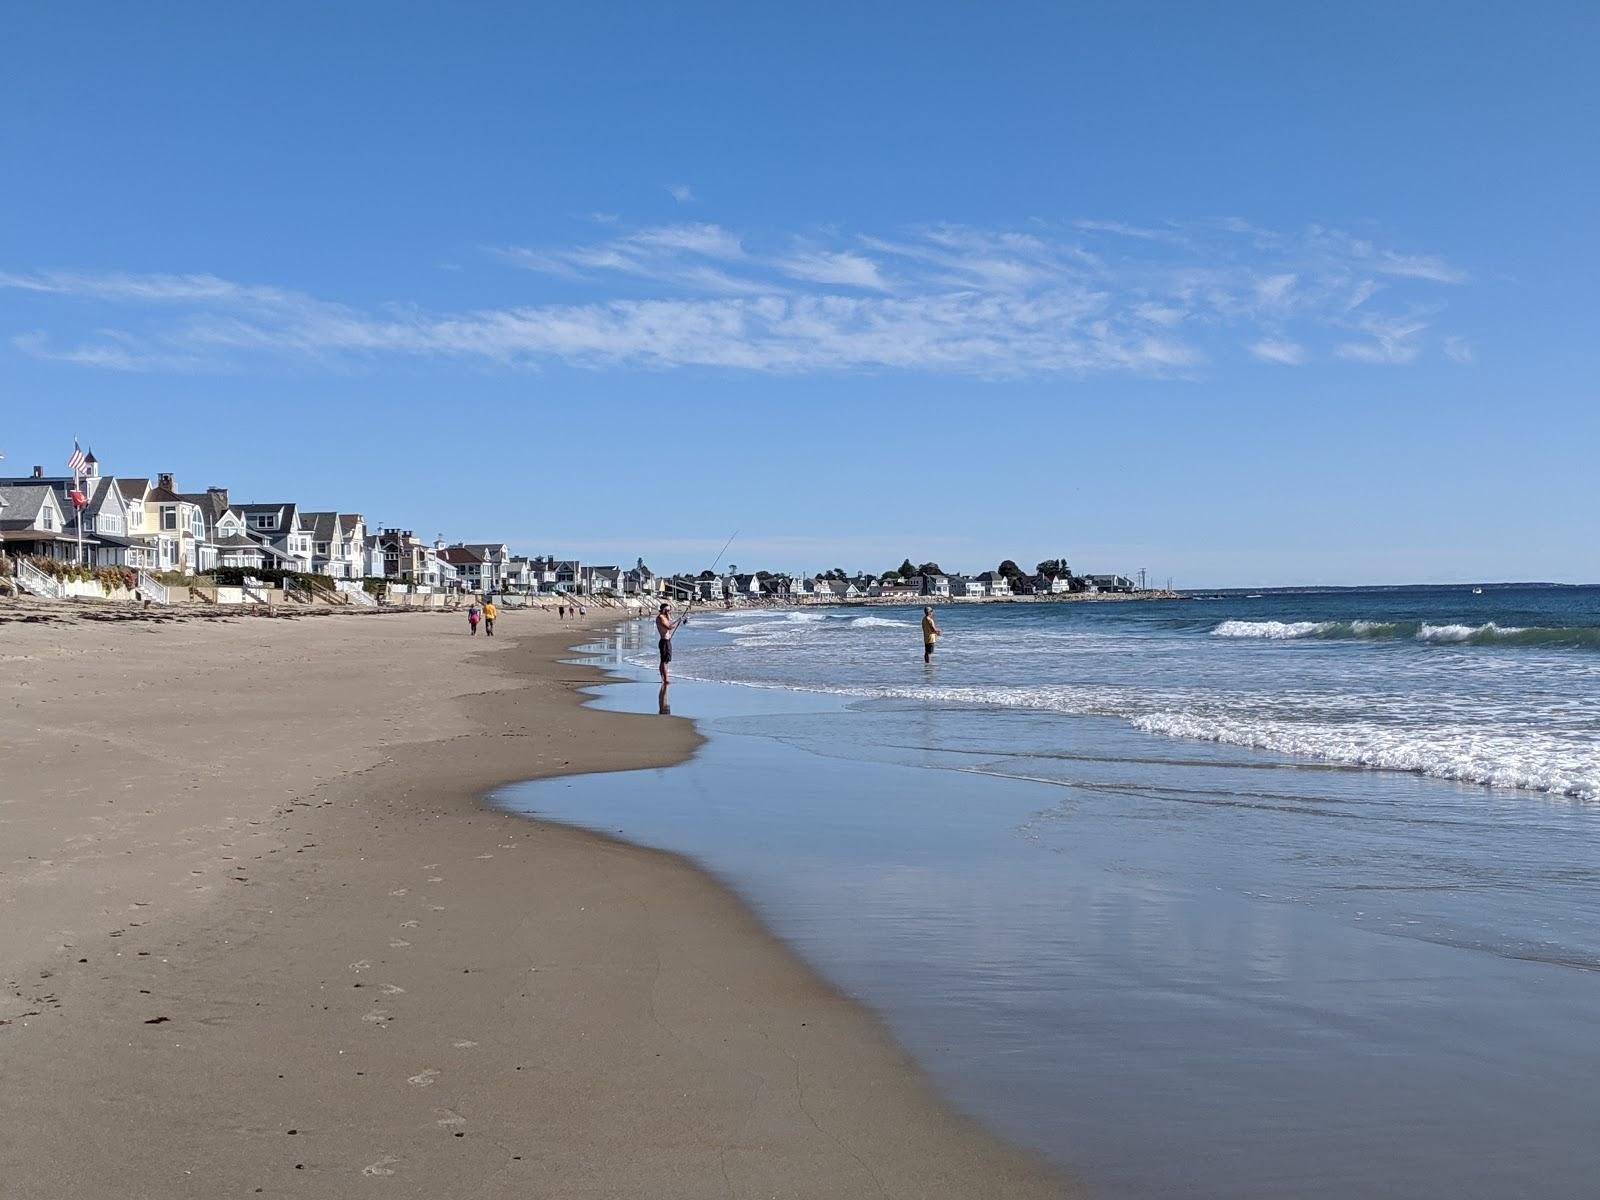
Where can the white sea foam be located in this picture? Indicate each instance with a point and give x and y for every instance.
(1276, 630)
(881, 622)
(1468, 756)
(1466, 633)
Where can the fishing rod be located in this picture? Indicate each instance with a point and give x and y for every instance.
(694, 593)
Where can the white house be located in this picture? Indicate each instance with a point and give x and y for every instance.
(338, 543)
(279, 526)
(995, 584)
(935, 585)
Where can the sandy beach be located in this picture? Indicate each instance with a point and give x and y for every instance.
(261, 936)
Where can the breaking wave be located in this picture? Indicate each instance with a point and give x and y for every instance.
(1574, 637)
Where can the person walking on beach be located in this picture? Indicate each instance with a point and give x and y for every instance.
(665, 628)
(930, 633)
(561, 610)
(472, 618)
(490, 612)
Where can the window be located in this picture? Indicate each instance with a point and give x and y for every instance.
(262, 520)
(169, 516)
(47, 518)
(322, 548)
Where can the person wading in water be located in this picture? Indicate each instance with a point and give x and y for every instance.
(930, 633)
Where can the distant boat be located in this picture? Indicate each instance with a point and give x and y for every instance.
(1253, 596)
(1477, 591)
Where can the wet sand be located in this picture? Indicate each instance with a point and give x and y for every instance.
(261, 936)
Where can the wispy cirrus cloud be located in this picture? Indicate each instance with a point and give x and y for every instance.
(1288, 354)
(1074, 298)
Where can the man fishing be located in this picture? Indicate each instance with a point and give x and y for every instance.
(665, 628)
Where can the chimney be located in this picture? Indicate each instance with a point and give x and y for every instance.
(164, 480)
(218, 494)
(38, 472)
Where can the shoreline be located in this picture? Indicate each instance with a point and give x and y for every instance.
(299, 933)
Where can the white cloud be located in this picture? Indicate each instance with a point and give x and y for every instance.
(1391, 340)
(1287, 354)
(948, 298)
(681, 192)
(844, 268)
(1460, 350)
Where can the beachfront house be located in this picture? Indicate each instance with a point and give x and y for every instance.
(603, 581)
(1112, 583)
(838, 589)
(708, 586)
(32, 522)
(640, 580)
(399, 555)
(279, 526)
(180, 529)
(934, 585)
(338, 543)
(1051, 585)
(995, 584)
(111, 537)
(966, 586)
(472, 573)
(495, 558)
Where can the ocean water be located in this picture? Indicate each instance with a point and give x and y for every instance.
(1290, 896)
(1501, 688)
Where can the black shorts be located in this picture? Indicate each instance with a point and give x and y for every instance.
(665, 646)
(927, 647)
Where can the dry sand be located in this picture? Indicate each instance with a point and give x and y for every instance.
(258, 935)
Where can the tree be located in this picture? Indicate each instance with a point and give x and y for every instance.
(907, 569)
(930, 568)
(1054, 568)
(1010, 570)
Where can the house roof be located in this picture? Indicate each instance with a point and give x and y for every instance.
(323, 526)
(22, 502)
(212, 504)
(132, 489)
(237, 541)
(459, 555)
(165, 495)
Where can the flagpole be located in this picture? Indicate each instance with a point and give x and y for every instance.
(78, 486)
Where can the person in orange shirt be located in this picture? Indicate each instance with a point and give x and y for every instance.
(490, 612)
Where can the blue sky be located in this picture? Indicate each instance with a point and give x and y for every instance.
(1241, 293)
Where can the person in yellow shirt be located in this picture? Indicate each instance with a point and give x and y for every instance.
(490, 612)
(930, 633)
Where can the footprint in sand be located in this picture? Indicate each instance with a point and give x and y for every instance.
(392, 989)
(424, 1078)
(448, 1117)
(485, 856)
(408, 924)
(436, 907)
(436, 879)
(363, 965)
(381, 1167)
(463, 1045)
(398, 892)
(430, 866)
(399, 944)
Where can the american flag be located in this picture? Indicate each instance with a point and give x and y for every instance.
(78, 461)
